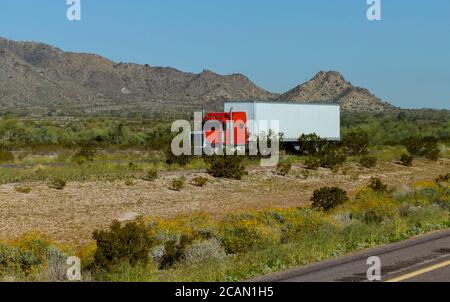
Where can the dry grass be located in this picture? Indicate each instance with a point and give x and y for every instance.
(70, 215)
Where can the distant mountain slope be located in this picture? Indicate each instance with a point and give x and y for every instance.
(331, 87)
(36, 77)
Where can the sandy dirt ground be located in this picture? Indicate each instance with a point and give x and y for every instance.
(70, 215)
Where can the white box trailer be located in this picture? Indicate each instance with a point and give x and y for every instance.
(294, 119)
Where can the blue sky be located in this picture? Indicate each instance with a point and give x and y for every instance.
(404, 58)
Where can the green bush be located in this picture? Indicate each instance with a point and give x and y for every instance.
(372, 216)
(331, 157)
(443, 178)
(368, 162)
(283, 169)
(311, 144)
(85, 153)
(226, 166)
(13, 258)
(242, 233)
(132, 166)
(129, 182)
(377, 185)
(130, 243)
(6, 156)
(159, 137)
(199, 181)
(178, 184)
(356, 142)
(174, 251)
(172, 159)
(23, 189)
(406, 159)
(23, 257)
(327, 198)
(306, 224)
(151, 175)
(312, 163)
(427, 147)
(426, 218)
(58, 183)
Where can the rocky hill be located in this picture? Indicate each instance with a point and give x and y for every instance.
(331, 87)
(39, 78)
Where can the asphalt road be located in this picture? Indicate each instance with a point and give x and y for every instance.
(422, 259)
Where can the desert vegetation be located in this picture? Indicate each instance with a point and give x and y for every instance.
(242, 245)
(324, 200)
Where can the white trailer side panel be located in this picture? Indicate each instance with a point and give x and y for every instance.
(294, 119)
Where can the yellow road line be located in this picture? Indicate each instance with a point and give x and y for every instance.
(420, 272)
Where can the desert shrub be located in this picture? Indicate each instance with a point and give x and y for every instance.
(406, 159)
(304, 174)
(24, 256)
(23, 189)
(426, 195)
(331, 157)
(57, 183)
(423, 146)
(56, 259)
(305, 223)
(6, 156)
(132, 166)
(443, 178)
(425, 184)
(443, 202)
(357, 235)
(312, 163)
(377, 185)
(427, 217)
(356, 142)
(85, 153)
(204, 251)
(159, 137)
(369, 207)
(283, 169)
(174, 251)
(157, 253)
(129, 182)
(178, 184)
(402, 193)
(375, 211)
(130, 243)
(18, 260)
(368, 162)
(181, 160)
(311, 144)
(405, 209)
(199, 181)
(151, 175)
(327, 198)
(243, 233)
(226, 166)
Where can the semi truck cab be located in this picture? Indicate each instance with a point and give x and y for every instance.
(228, 128)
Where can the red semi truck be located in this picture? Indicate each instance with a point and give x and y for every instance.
(292, 120)
(227, 120)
